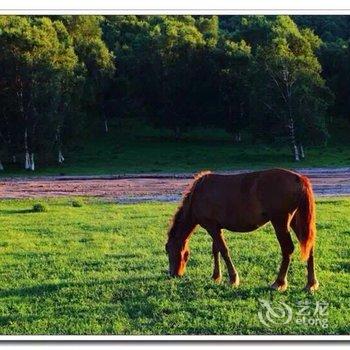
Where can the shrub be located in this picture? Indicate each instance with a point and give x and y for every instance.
(77, 203)
(39, 208)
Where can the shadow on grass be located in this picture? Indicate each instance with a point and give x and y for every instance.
(17, 211)
(38, 290)
(253, 293)
(7, 320)
(122, 256)
(341, 267)
(49, 288)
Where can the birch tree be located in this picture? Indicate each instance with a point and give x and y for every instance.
(292, 76)
(39, 59)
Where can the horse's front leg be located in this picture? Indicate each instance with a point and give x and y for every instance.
(233, 274)
(221, 246)
(217, 268)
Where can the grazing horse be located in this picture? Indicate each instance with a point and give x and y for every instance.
(243, 203)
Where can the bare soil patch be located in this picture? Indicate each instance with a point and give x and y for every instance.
(146, 187)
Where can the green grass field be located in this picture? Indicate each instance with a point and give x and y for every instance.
(154, 151)
(101, 269)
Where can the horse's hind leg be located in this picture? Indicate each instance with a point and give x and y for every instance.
(219, 245)
(312, 283)
(281, 226)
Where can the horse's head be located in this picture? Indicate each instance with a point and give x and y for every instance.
(178, 254)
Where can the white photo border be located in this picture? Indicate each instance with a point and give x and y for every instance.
(179, 7)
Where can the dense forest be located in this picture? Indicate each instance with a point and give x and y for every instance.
(273, 78)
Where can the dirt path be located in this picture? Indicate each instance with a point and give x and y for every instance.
(134, 188)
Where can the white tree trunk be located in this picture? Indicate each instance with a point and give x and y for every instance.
(302, 154)
(293, 140)
(60, 157)
(27, 164)
(1, 166)
(296, 153)
(106, 126)
(32, 165)
(14, 159)
(238, 137)
(27, 161)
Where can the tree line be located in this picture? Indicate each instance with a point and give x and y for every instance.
(274, 78)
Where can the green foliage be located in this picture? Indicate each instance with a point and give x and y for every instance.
(103, 270)
(158, 59)
(293, 90)
(66, 78)
(234, 61)
(39, 208)
(77, 203)
(42, 61)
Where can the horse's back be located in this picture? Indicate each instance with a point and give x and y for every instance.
(279, 190)
(243, 202)
(273, 182)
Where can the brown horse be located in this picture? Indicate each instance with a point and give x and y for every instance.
(243, 203)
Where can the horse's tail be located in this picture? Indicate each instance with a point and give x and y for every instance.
(183, 215)
(305, 219)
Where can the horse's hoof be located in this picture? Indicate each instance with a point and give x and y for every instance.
(234, 282)
(216, 279)
(279, 286)
(311, 287)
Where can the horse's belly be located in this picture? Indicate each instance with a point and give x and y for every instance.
(244, 228)
(245, 224)
(230, 210)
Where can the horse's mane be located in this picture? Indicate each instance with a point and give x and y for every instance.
(201, 174)
(185, 204)
(192, 185)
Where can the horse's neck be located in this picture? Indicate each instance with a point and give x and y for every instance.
(182, 231)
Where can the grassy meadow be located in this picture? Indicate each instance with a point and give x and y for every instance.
(101, 269)
(136, 148)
